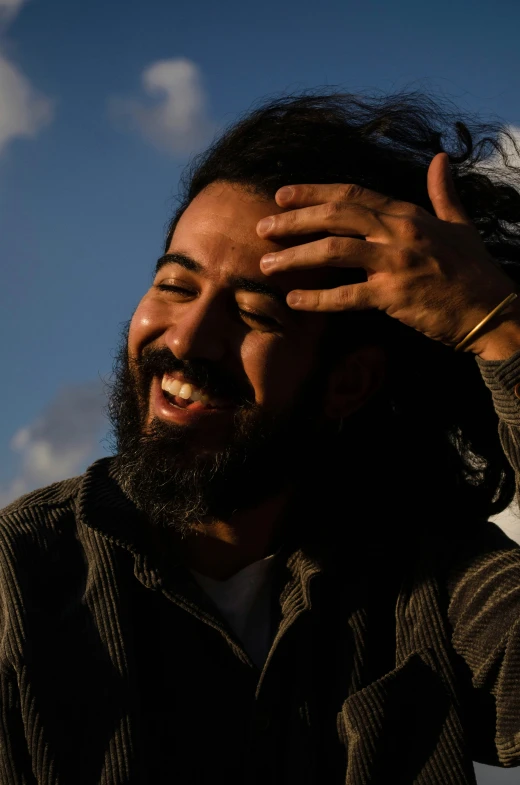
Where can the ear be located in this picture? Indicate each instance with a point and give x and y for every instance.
(354, 380)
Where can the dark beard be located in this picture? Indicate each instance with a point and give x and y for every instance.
(173, 485)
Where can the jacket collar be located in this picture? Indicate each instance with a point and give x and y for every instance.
(102, 506)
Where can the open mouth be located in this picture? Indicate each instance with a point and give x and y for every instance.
(181, 394)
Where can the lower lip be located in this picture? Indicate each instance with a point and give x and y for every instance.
(166, 411)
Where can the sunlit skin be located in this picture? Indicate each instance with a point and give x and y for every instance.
(431, 272)
(205, 315)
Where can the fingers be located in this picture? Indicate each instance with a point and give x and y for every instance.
(331, 217)
(330, 251)
(308, 195)
(354, 297)
(442, 192)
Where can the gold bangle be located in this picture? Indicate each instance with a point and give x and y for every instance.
(471, 335)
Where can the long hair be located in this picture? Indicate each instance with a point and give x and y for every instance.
(431, 435)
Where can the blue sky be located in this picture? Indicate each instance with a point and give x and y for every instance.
(90, 158)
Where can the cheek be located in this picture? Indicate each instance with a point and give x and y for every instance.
(148, 322)
(275, 367)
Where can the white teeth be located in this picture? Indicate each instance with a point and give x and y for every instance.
(172, 387)
(175, 387)
(185, 391)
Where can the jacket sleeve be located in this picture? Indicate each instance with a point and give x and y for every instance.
(15, 758)
(484, 608)
(484, 615)
(501, 378)
(15, 762)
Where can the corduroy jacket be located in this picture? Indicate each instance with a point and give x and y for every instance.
(115, 668)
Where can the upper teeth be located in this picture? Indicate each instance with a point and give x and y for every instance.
(183, 390)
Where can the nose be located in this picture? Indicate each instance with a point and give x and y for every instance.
(198, 332)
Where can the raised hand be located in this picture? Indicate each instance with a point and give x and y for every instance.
(433, 273)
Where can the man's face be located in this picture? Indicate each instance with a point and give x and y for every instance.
(211, 304)
(215, 330)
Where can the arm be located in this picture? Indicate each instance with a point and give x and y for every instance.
(15, 762)
(15, 758)
(434, 274)
(502, 377)
(483, 583)
(484, 589)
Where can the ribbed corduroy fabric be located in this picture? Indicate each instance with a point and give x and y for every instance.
(116, 669)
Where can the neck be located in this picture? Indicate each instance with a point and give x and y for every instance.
(219, 549)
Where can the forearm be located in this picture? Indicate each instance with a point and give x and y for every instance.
(502, 377)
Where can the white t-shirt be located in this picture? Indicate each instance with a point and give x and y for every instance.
(245, 602)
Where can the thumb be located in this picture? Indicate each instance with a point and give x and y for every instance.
(442, 193)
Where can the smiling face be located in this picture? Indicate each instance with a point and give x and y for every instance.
(219, 400)
(210, 305)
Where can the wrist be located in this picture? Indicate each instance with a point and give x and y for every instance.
(502, 340)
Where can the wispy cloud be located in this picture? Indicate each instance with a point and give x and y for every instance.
(172, 111)
(512, 148)
(9, 8)
(509, 522)
(23, 110)
(57, 444)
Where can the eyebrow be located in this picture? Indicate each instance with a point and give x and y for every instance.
(237, 282)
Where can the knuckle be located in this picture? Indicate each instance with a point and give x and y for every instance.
(301, 193)
(333, 247)
(344, 296)
(404, 258)
(323, 300)
(414, 211)
(411, 229)
(273, 226)
(352, 191)
(332, 211)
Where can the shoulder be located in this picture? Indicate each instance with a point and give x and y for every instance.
(39, 511)
(481, 579)
(482, 550)
(51, 496)
(36, 535)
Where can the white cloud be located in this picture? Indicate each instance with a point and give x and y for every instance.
(511, 153)
(509, 522)
(59, 442)
(495, 160)
(23, 110)
(9, 8)
(173, 113)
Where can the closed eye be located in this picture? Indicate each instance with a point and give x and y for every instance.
(265, 321)
(249, 316)
(168, 287)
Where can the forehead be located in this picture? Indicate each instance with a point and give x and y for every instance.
(218, 228)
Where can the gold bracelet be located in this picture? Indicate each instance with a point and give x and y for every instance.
(471, 335)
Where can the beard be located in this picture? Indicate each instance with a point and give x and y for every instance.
(175, 484)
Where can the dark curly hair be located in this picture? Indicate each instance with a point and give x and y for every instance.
(432, 430)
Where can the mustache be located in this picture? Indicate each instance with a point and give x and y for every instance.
(202, 373)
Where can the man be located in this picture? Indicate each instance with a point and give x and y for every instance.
(286, 573)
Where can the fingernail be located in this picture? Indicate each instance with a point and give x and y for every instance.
(265, 224)
(293, 298)
(268, 261)
(285, 194)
